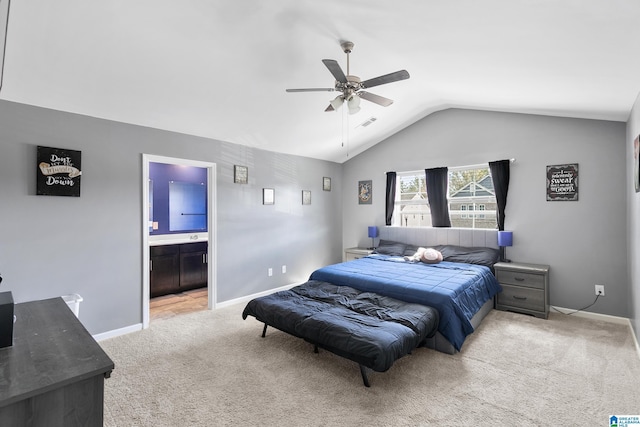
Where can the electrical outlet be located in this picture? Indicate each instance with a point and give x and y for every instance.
(284, 269)
(600, 290)
(270, 272)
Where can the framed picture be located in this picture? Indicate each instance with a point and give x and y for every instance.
(562, 182)
(326, 183)
(268, 196)
(4, 16)
(58, 172)
(306, 197)
(240, 174)
(364, 192)
(636, 164)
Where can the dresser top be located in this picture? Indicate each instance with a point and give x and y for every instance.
(522, 267)
(51, 349)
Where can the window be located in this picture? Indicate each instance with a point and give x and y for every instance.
(412, 205)
(472, 200)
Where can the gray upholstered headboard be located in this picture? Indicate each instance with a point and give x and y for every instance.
(441, 236)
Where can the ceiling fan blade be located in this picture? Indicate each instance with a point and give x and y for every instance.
(387, 78)
(380, 100)
(335, 69)
(329, 108)
(319, 89)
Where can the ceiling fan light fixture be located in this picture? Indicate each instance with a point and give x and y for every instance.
(353, 103)
(337, 102)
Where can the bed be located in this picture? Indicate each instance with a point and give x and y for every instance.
(461, 287)
(369, 329)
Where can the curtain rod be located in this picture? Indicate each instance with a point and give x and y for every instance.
(512, 160)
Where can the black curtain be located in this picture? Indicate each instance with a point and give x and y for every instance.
(437, 184)
(500, 176)
(391, 196)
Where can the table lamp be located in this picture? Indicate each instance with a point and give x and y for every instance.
(505, 238)
(373, 233)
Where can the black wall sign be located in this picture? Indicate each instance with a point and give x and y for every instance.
(562, 182)
(59, 172)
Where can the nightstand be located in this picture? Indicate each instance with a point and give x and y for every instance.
(525, 288)
(354, 253)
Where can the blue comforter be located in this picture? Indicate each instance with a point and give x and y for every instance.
(456, 290)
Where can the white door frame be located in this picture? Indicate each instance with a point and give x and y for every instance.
(211, 227)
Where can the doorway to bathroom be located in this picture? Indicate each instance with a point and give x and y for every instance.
(178, 218)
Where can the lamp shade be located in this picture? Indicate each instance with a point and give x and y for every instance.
(353, 103)
(337, 102)
(505, 238)
(373, 231)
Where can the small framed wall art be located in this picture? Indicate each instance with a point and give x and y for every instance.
(562, 182)
(240, 174)
(306, 197)
(59, 172)
(326, 183)
(636, 163)
(364, 192)
(268, 196)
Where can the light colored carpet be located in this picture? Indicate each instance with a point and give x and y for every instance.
(212, 368)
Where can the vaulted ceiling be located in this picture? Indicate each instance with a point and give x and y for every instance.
(219, 69)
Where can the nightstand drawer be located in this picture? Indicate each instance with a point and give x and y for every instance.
(529, 280)
(527, 298)
(356, 253)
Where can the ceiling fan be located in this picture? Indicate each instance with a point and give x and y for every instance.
(351, 86)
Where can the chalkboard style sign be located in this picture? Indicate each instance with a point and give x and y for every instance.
(562, 182)
(59, 172)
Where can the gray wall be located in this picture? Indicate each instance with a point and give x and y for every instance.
(584, 242)
(92, 245)
(633, 205)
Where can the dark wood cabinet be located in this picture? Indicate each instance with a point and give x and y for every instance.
(193, 265)
(177, 268)
(164, 277)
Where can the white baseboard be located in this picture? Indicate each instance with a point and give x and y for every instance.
(250, 297)
(138, 327)
(593, 316)
(117, 332)
(604, 317)
(635, 338)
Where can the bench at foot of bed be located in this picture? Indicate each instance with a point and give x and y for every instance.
(369, 329)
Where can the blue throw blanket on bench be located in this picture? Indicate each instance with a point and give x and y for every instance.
(369, 329)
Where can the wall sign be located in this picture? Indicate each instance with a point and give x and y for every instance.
(562, 182)
(59, 172)
(364, 192)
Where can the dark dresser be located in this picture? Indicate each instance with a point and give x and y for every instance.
(54, 373)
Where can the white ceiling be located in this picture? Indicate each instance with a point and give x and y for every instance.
(219, 69)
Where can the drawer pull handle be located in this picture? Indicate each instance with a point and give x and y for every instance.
(519, 279)
(520, 298)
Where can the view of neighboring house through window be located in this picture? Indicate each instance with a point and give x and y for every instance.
(412, 206)
(472, 200)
